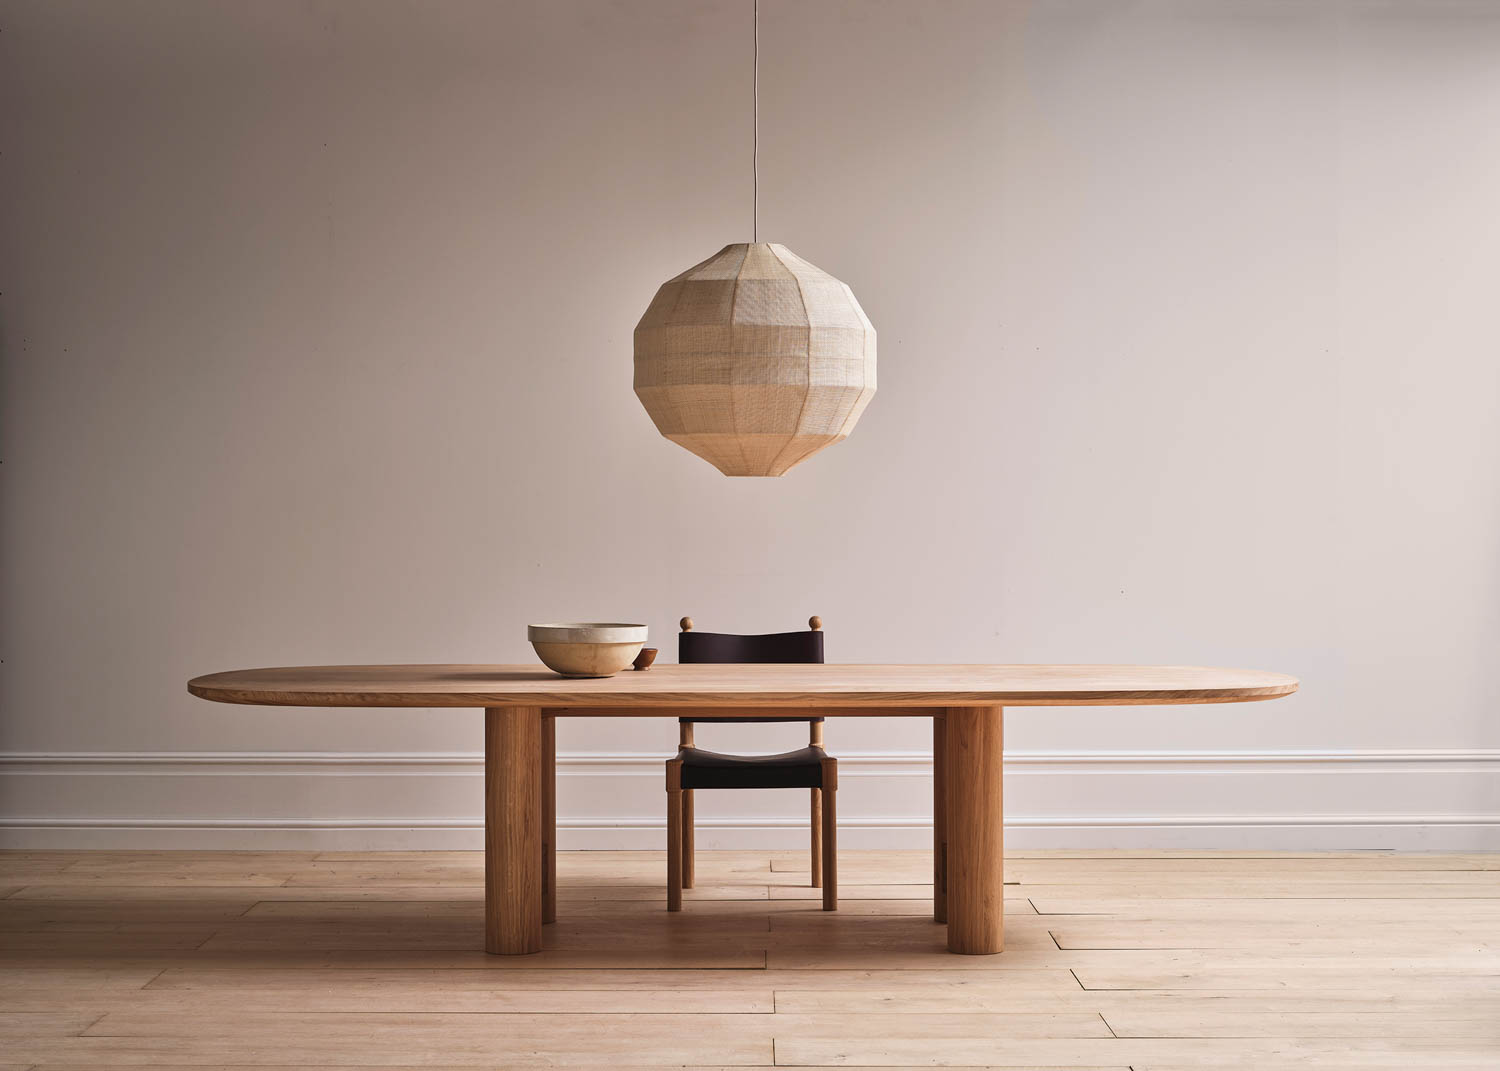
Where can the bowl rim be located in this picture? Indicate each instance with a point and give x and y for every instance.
(587, 632)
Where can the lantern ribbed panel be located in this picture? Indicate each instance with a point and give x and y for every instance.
(754, 360)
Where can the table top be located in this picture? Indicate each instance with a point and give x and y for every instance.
(666, 689)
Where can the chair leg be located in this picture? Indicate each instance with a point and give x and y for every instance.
(817, 837)
(674, 836)
(687, 838)
(830, 835)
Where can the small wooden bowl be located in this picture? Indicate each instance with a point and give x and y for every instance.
(587, 648)
(645, 658)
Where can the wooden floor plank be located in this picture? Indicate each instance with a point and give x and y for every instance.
(406, 1028)
(21, 871)
(913, 891)
(330, 910)
(1136, 1053)
(32, 914)
(1088, 932)
(1399, 979)
(894, 865)
(104, 944)
(151, 1059)
(229, 1004)
(1395, 909)
(926, 955)
(1484, 1029)
(657, 892)
(396, 979)
(1200, 888)
(984, 996)
(58, 1022)
(162, 878)
(399, 1042)
(248, 893)
(1386, 868)
(1273, 1062)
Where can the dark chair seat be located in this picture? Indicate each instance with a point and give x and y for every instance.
(802, 768)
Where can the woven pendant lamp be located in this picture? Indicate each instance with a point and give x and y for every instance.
(754, 359)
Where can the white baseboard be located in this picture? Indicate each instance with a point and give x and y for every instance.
(1409, 799)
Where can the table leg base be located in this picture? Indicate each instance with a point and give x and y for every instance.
(973, 747)
(512, 830)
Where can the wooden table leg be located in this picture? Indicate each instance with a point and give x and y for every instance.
(973, 745)
(512, 830)
(939, 821)
(549, 818)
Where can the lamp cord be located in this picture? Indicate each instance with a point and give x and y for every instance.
(755, 136)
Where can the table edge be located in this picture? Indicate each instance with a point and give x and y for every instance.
(854, 702)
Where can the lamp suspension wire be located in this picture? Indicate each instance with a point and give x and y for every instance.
(755, 133)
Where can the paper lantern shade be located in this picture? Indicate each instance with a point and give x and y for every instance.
(754, 360)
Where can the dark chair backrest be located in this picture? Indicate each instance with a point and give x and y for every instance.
(726, 647)
(801, 647)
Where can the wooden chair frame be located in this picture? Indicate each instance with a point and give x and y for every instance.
(823, 813)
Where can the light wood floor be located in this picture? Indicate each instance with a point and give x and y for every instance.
(1114, 960)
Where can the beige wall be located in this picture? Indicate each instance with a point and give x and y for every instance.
(317, 331)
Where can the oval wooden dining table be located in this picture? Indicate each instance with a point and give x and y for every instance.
(521, 704)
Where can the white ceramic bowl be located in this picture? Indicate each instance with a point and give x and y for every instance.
(587, 648)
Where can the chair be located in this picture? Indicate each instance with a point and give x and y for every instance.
(693, 768)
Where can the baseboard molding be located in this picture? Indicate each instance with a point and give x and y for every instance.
(1405, 799)
(1075, 821)
(1141, 832)
(142, 761)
